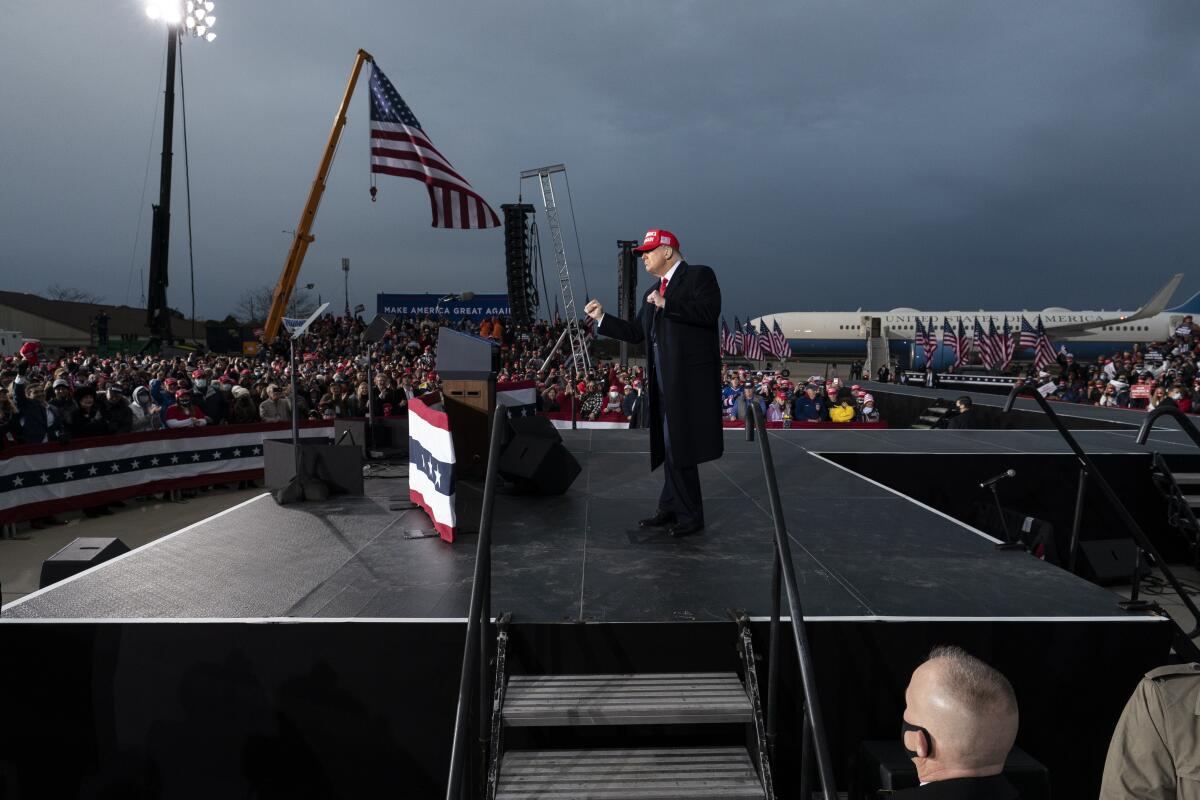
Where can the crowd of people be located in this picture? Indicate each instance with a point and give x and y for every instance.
(782, 400)
(76, 394)
(1141, 378)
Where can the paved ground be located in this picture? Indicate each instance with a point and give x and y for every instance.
(139, 522)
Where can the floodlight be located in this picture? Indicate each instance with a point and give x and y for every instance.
(210, 21)
(209, 37)
(209, 6)
(153, 11)
(200, 30)
(189, 22)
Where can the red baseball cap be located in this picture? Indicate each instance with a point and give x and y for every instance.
(657, 238)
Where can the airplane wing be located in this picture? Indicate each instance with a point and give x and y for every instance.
(1153, 306)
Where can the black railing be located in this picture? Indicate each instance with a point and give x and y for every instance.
(1174, 413)
(475, 649)
(1088, 469)
(783, 571)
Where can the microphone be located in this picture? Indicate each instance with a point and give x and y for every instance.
(1008, 473)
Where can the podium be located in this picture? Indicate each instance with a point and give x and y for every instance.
(468, 365)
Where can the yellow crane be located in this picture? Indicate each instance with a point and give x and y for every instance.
(303, 236)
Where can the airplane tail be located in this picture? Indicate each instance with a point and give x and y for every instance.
(1189, 306)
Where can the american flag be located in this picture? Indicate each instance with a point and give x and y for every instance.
(930, 342)
(1044, 351)
(949, 341)
(920, 335)
(782, 348)
(964, 346)
(728, 341)
(989, 344)
(1029, 336)
(739, 339)
(766, 342)
(752, 345)
(399, 146)
(1007, 346)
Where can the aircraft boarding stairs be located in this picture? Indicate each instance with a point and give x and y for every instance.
(877, 354)
(664, 736)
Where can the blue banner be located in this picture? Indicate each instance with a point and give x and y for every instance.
(478, 307)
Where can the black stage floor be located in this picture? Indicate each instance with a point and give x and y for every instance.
(862, 551)
(1072, 412)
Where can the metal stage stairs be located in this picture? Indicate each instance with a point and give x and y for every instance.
(627, 773)
(1182, 493)
(932, 417)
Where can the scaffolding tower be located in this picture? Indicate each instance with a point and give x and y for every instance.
(579, 355)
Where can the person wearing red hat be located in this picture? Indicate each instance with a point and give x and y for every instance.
(183, 413)
(678, 321)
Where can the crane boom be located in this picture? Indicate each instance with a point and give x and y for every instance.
(303, 236)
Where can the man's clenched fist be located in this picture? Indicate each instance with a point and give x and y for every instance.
(594, 310)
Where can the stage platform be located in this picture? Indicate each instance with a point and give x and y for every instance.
(1025, 411)
(314, 650)
(861, 550)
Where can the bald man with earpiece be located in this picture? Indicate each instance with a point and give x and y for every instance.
(960, 722)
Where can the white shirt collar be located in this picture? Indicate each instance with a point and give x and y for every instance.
(671, 271)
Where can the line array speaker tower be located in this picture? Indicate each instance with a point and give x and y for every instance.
(626, 288)
(518, 263)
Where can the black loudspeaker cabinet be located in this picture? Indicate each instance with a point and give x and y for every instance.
(533, 426)
(83, 553)
(1109, 562)
(538, 464)
(340, 466)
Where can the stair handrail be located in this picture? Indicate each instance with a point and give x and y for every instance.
(474, 668)
(1089, 467)
(1175, 413)
(813, 721)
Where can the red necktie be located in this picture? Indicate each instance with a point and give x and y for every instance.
(662, 288)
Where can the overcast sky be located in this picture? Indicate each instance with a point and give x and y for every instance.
(821, 156)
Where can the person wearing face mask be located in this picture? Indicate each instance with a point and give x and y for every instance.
(146, 416)
(960, 722)
(868, 413)
(183, 413)
(612, 403)
(216, 399)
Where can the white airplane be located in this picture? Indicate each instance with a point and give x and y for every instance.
(844, 334)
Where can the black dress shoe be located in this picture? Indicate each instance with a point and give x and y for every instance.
(660, 520)
(685, 528)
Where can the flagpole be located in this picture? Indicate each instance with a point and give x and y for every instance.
(303, 236)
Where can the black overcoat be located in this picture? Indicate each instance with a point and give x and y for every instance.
(688, 344)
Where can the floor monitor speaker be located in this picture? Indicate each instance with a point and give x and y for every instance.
(83, 553)
(538, 464)
(1109, 562)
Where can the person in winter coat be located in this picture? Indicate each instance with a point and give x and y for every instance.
(243, 411)
(40, 422)
(145, 412)
(87, 417)
(276, 408)
(217, 400)
(120, 416)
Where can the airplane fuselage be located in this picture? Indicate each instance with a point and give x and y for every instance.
(845, 333)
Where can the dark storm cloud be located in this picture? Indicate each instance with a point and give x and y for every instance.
(820, 155)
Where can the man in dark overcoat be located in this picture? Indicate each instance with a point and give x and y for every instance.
(678, 321)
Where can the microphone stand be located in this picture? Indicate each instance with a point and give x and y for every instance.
(1008, 543)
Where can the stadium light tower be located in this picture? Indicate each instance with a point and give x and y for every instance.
(197, 19)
